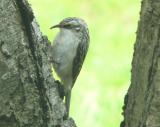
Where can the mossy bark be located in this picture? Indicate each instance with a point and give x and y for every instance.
(142, 102)
(28, 92)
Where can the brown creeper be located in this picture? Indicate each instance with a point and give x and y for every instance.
(69, 50)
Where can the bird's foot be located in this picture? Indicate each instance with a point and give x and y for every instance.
(60, 89)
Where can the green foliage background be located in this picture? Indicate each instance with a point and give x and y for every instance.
(99, 91)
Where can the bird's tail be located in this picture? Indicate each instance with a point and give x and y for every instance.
(67, 102)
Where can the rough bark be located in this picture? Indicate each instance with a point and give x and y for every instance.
(28, 92)
(142, 102)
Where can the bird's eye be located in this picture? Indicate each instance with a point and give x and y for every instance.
(77, 29)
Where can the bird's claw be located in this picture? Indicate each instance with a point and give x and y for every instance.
(60, 89)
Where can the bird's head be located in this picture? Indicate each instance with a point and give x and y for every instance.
(73, 24)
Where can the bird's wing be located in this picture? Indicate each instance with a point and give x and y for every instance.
(79, 58)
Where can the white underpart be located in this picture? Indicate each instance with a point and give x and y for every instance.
(64, 51)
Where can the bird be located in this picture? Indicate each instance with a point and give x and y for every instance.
(69, 50)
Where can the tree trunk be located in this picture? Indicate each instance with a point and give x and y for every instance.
(29, 95)
(142, 102)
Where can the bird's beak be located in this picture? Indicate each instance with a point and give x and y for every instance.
(56, 26)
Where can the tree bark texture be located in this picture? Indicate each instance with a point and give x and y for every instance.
(28, 92)
(142, 102)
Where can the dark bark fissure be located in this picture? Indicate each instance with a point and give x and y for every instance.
(27, 18)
